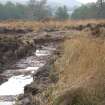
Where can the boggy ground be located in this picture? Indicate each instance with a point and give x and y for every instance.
(17, 46)
(19, 42)
(71, 78)
(76, 76)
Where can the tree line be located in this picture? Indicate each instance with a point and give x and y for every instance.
(38, 10)
(91, 10)
(33, 10)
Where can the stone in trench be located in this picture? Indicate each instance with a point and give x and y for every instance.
(31, 89)
(3, 79)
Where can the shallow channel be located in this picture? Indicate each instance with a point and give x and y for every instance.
(18, 78)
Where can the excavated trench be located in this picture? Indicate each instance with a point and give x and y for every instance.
(38, 52)
(22, 74)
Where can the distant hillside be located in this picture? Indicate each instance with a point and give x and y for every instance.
(68, 3)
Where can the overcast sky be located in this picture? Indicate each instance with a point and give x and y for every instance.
(82, 1)
(86, 1)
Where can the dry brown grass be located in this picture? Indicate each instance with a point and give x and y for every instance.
(81, 73)
(50, 24)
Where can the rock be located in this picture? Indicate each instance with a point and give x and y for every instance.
(24, 101)
(31, 89)
(3, 79)
(42, 72)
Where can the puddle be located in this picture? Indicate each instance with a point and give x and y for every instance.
(6, 103)
(15, 85)
(42, 53)
(32, 68)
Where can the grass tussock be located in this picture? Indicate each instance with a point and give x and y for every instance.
(81, 72)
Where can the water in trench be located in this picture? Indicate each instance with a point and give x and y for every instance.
(18, 78)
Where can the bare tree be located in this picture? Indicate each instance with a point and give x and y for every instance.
(100, 2)
(100, 8)
(38, 9)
